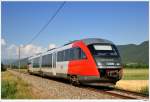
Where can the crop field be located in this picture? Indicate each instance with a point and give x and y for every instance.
(139, 86)
(135, 74)
(136, 80)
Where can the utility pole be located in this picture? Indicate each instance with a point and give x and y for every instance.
(19, 58)
(9, 56)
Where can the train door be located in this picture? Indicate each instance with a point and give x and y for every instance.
(54, 63)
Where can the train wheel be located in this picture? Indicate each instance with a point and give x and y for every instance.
(74, 80)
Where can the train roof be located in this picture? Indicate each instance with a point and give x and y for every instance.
(89, 41)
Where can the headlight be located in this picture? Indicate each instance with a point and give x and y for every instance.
(118, 64)
(99, 64)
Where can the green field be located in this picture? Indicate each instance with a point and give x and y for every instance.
(13, 87)
(135, 74)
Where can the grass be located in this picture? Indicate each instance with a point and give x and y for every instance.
(135, 74)
(8, 89)
(14, 88)
(21, 70)
(145, 90)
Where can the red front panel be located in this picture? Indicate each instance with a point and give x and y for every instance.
(85, 67)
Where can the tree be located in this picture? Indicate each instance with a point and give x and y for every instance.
(3, 68)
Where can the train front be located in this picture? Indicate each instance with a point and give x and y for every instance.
(107, 59)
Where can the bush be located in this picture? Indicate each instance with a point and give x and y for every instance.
(3, 68)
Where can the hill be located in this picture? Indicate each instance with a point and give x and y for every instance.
(135, 54)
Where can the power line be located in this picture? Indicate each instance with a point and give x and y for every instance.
(36, 35)
(49, 21)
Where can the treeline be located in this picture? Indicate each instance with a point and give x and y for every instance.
(137, 66)
(17, 67)
(4, 67)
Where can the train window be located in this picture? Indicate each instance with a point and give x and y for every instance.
(47, 60)
(67, 53)
(60, 56)
(29, 62)
(36, 62)
(77, 53)
(82, 54)
(63, 55)
(103, 50)
(71, 54)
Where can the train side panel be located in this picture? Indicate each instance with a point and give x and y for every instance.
(62, 66)
(83, 67)
(61, 69)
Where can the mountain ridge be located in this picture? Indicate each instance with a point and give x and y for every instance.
(133, 53)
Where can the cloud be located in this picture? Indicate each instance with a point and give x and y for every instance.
(3, 48)
(25, 51)
(30, 50)
(3, 42)
(51, 46)
(12, 51)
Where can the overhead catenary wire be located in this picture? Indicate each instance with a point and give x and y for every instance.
(43, 28)
(49, 21)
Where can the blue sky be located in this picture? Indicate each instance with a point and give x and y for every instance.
(120, 22)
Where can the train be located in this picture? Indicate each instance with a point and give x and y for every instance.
(93, 61)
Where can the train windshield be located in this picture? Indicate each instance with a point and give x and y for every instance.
(103, 50)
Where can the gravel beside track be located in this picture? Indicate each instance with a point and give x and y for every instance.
(44, 88)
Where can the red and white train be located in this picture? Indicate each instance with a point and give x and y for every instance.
(88, 61)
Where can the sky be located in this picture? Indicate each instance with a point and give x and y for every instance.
(120, 22)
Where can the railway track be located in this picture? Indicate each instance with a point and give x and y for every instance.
(119, 93)
(114, 93)
(123, 94)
